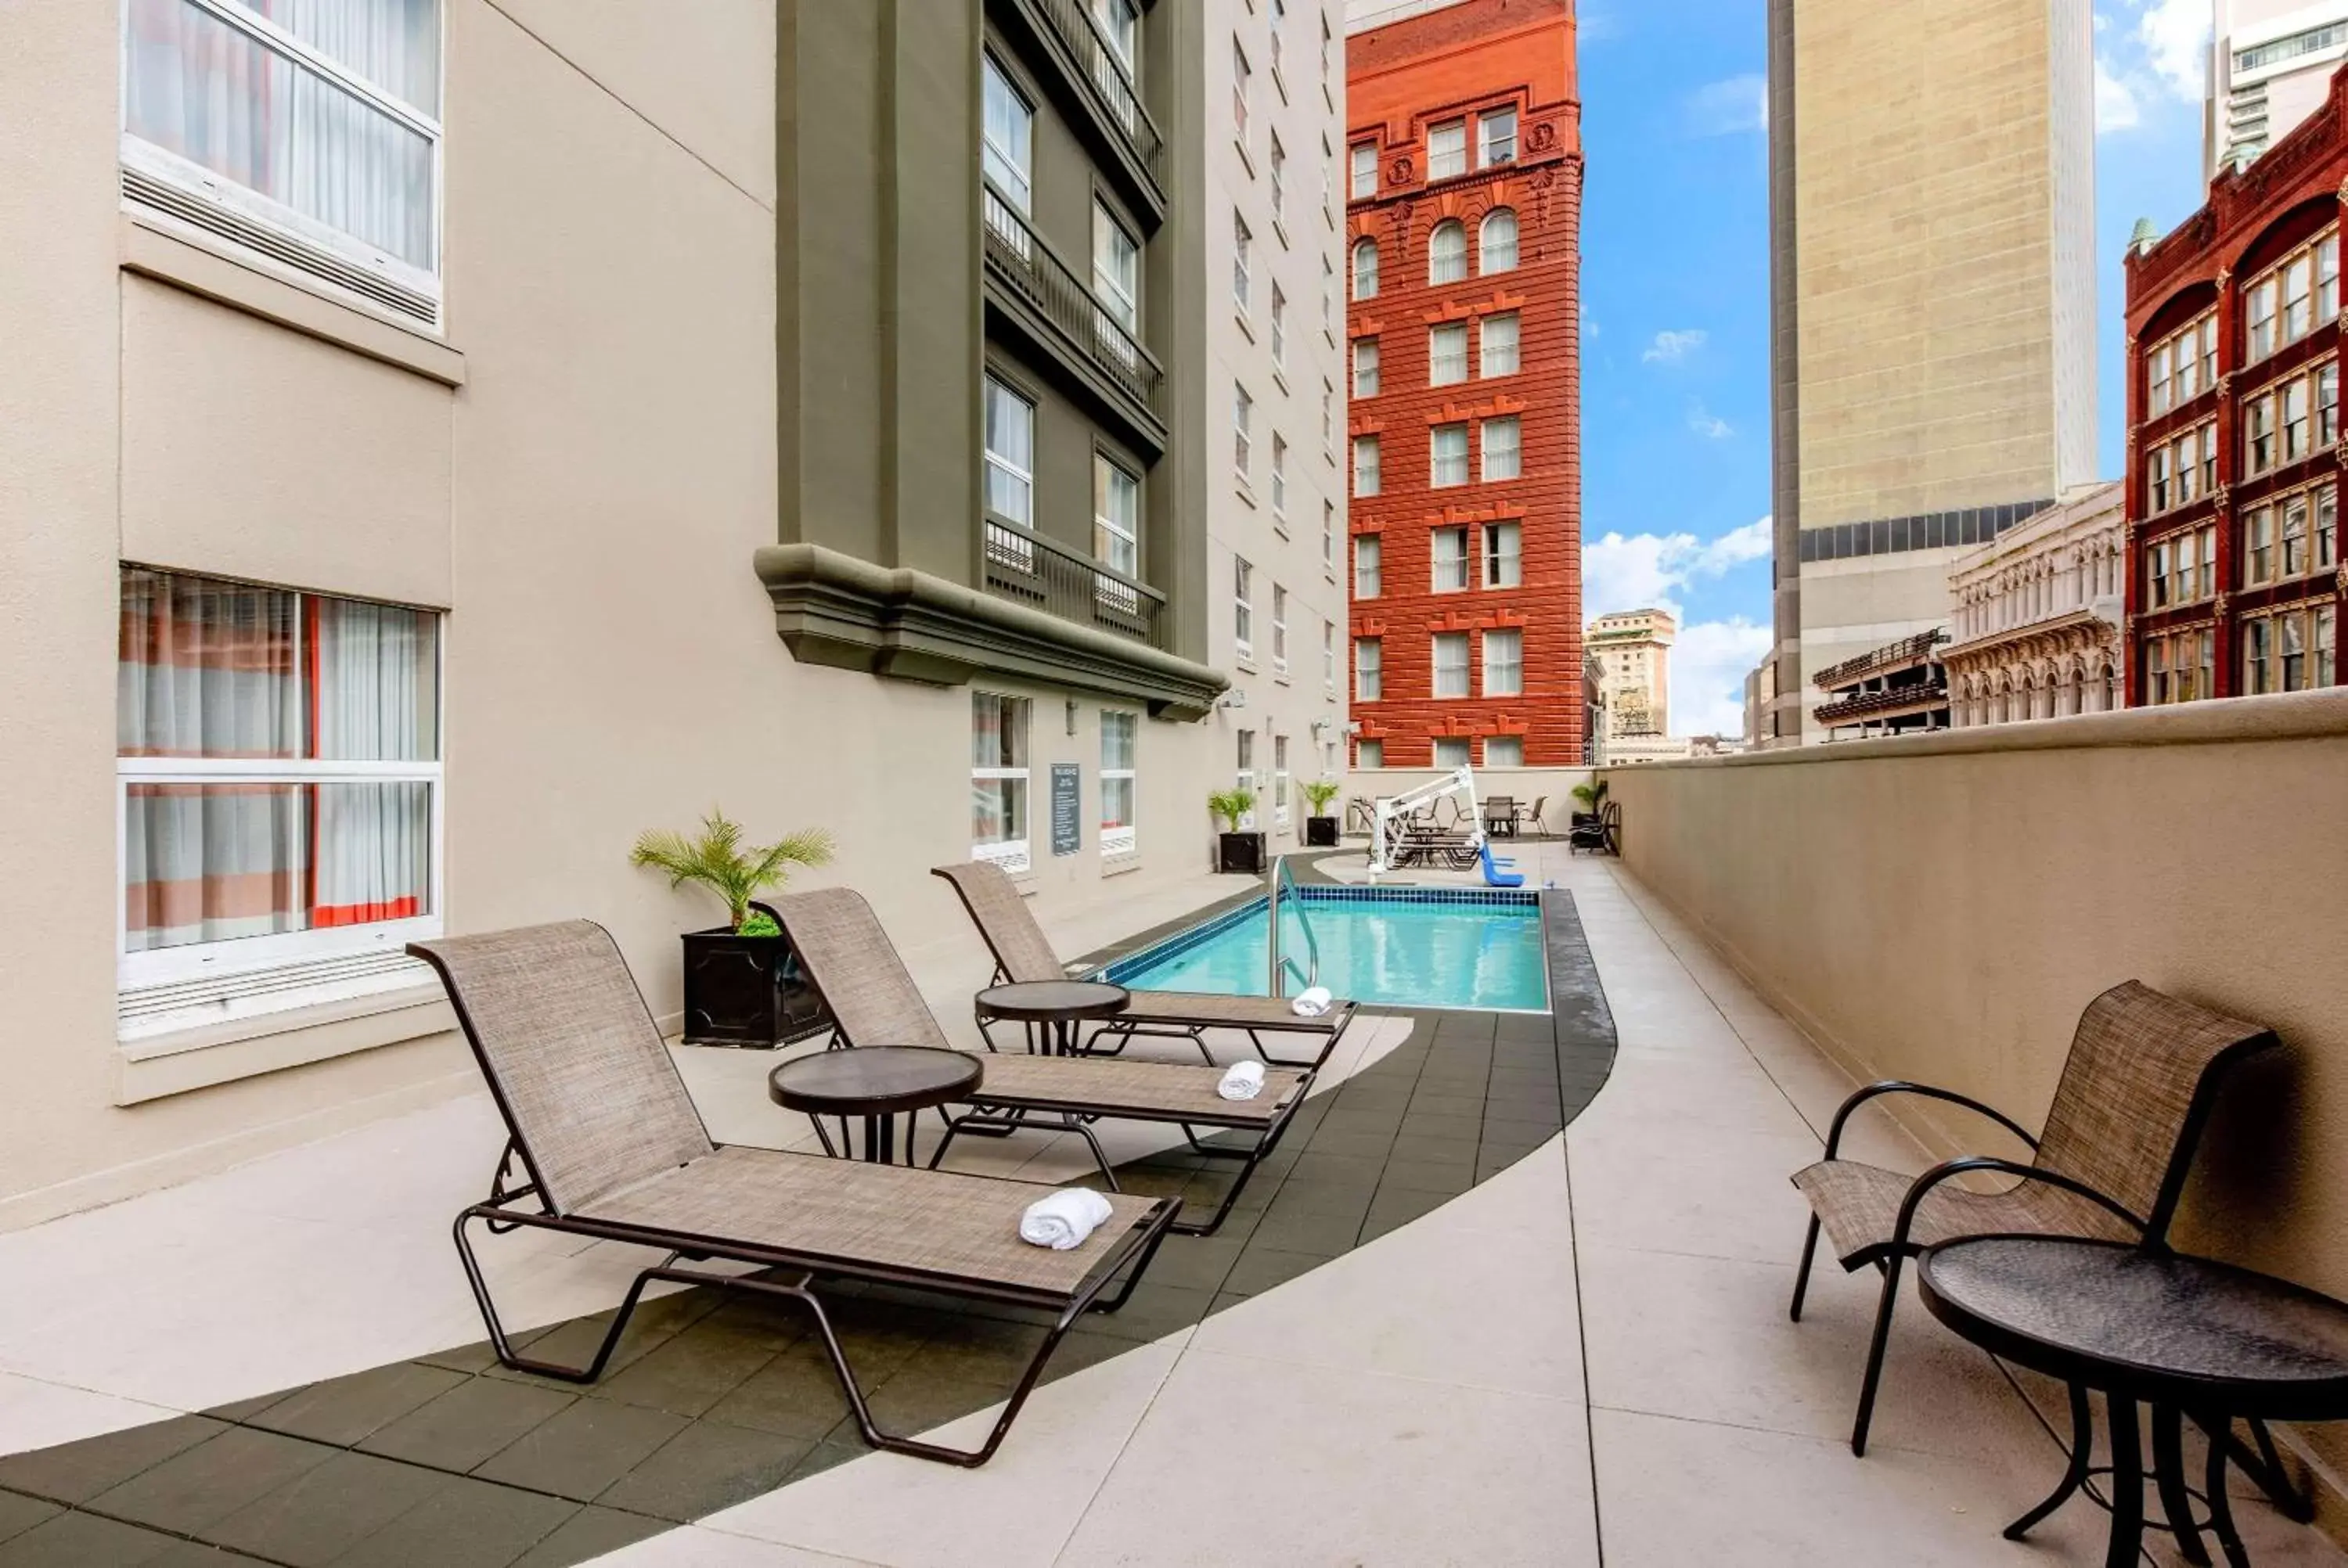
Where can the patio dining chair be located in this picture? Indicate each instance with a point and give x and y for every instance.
(2110, 1162)
(614, 1149)
(1022, 952)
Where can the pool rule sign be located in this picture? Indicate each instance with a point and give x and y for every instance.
(1068, 795)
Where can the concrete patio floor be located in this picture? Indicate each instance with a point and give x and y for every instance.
(1576, 1353)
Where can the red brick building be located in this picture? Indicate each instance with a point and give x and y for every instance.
(1464, 169)
(2235, 586)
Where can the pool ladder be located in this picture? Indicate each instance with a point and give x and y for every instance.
(1283, 879)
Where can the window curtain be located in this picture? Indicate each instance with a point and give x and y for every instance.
(218, 96)
(374, 703)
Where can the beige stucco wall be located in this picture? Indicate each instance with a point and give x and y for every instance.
(583, 492)
(1941, 908)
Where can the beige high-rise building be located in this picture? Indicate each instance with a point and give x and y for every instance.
(1632, 648)
(2271, 64)
(1933, 301)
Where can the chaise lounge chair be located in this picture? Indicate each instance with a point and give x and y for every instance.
(1022, 952)
(614, 1149)
(2111, 1162)
(851, 963)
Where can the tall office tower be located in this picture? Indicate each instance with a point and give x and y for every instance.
(1932, 295)
(1464, 180)
(2271, 64)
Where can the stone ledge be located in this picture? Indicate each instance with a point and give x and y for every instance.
(835, 609)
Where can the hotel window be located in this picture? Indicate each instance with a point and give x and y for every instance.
(1118, 734)
(1503, 448)
(1117, 517)
(1369, 754)
(1329, 657)
(2177, 667)
(2293, 650)
(1279, 182)
(1240, 75)
(2327, 403)
(1242, 422)
(1329, 299)
(1117, 284)
(1243, 291)
(1365, 170)
(1010, 477)
(278, 776)
(1279, 328)
(2259, 542)
(321, 125)
(1365, 367)
(1504, 751)
(1497, 350)
(1447, 553)
(2258, 435)
(1007, 140)
(1504, 663)
(1447, 253)
(1451, 664)
(2257, 657)
(1329, 421)
(1446, 354)
(1242, 608)
(1279, 475)
(998, 779)
(1279, 629)
(2157, 380)
(1365, 269)
(1328, 49)
(2185, 459)
(1280, 781)
(1329, 538)
(1504, 559)
(1497, 247)
(2263, 319)
(1498, 129)
(2327, 528)
(1365, 465)
(2327, 278)
(1369, 669)
(2296, 436)
(1120, 25)
(2295, 553)
(1450, 751)
(1243, 747)
(1448, 455)
(1446, 149)
(1277, 13)
(1367, 582)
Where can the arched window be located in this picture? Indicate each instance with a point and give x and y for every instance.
(1447, 253)
(1365, 269)
(1496, 250)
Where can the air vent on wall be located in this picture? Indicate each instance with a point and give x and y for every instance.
(143, 190)
(216, 999)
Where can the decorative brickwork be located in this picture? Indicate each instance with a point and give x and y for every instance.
(1459, 65)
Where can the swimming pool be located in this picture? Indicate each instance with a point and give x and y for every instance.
(1399, 947)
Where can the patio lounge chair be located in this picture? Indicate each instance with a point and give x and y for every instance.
(2110, 1162)
(1022, 952)
(615, 1150)
(1499, 872)
(1600, 831)
(850, 961)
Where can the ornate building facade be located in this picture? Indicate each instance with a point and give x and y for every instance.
(2234, 585)
(1633, 649)
(1462, 278)
(2036, 626)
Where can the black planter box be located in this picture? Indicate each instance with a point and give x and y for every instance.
(1240, 852)
(746, 991)
(1321, 833)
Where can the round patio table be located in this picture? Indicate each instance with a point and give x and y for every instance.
(1058, 1004)
(2189, 1337)
(877, 1084)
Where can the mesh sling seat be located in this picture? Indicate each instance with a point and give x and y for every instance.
(854, 967)
(2111, 1162)
(613, 1148)
(1022, 952)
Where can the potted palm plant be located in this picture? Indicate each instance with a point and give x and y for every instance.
(1236, 851)
(1319, 827)
(1591, 798)
(742, 983)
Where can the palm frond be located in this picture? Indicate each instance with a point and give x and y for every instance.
(718, 858)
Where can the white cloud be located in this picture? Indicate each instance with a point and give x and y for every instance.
(1705, 424)
(1709, 663)
(2115, 104)
(1730, 108)
(2175, 36)
(1711, 657)
(1672, 347)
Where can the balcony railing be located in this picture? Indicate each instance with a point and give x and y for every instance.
(1900, 655)
(1018, 255)
(1890, 701)
(1104, 74)
(1030, 569)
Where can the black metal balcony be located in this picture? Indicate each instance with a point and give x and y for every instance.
(1099, 75)
(1028, 568)
(1068, 317)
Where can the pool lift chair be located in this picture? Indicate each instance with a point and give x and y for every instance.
(1396, 837)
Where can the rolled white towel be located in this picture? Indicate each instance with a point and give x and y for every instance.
(1063, 1220)
(1243, 1081)
(1312, 1002)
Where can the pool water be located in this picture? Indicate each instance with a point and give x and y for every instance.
(1393, 946)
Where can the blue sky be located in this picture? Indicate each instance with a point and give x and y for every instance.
(1675, 299)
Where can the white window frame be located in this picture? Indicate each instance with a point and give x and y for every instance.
(1106, 472)
(990, 458)
(1242, 279)
(1443, 264)
(1115, 249)
(1370, 753)
(1504, 635)
(1279, 630)
(214, 189)
(1278, 476)
(1370, 675)
(1242, 608)
(1364, 278)
(1438, 459)
(1448, 572)
(1279, 328)
(1484, 240)
(1514, 357)
(1447, 353)
(1372, 470)
(1241, 77)
(1328, 536)
(1446, 149)
(1363, 173)
(1021, 200)
(1116, 842)
(1280, 784)
(1458, 748)
(1496, 138)
(1329, 658)
(1365, 367)
(1496, 558)
(1440, 643)
(1370, 550)
(1242, 431)
(1514, 451)
(1277, 163)
(1012, 855)
(1516, 742)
